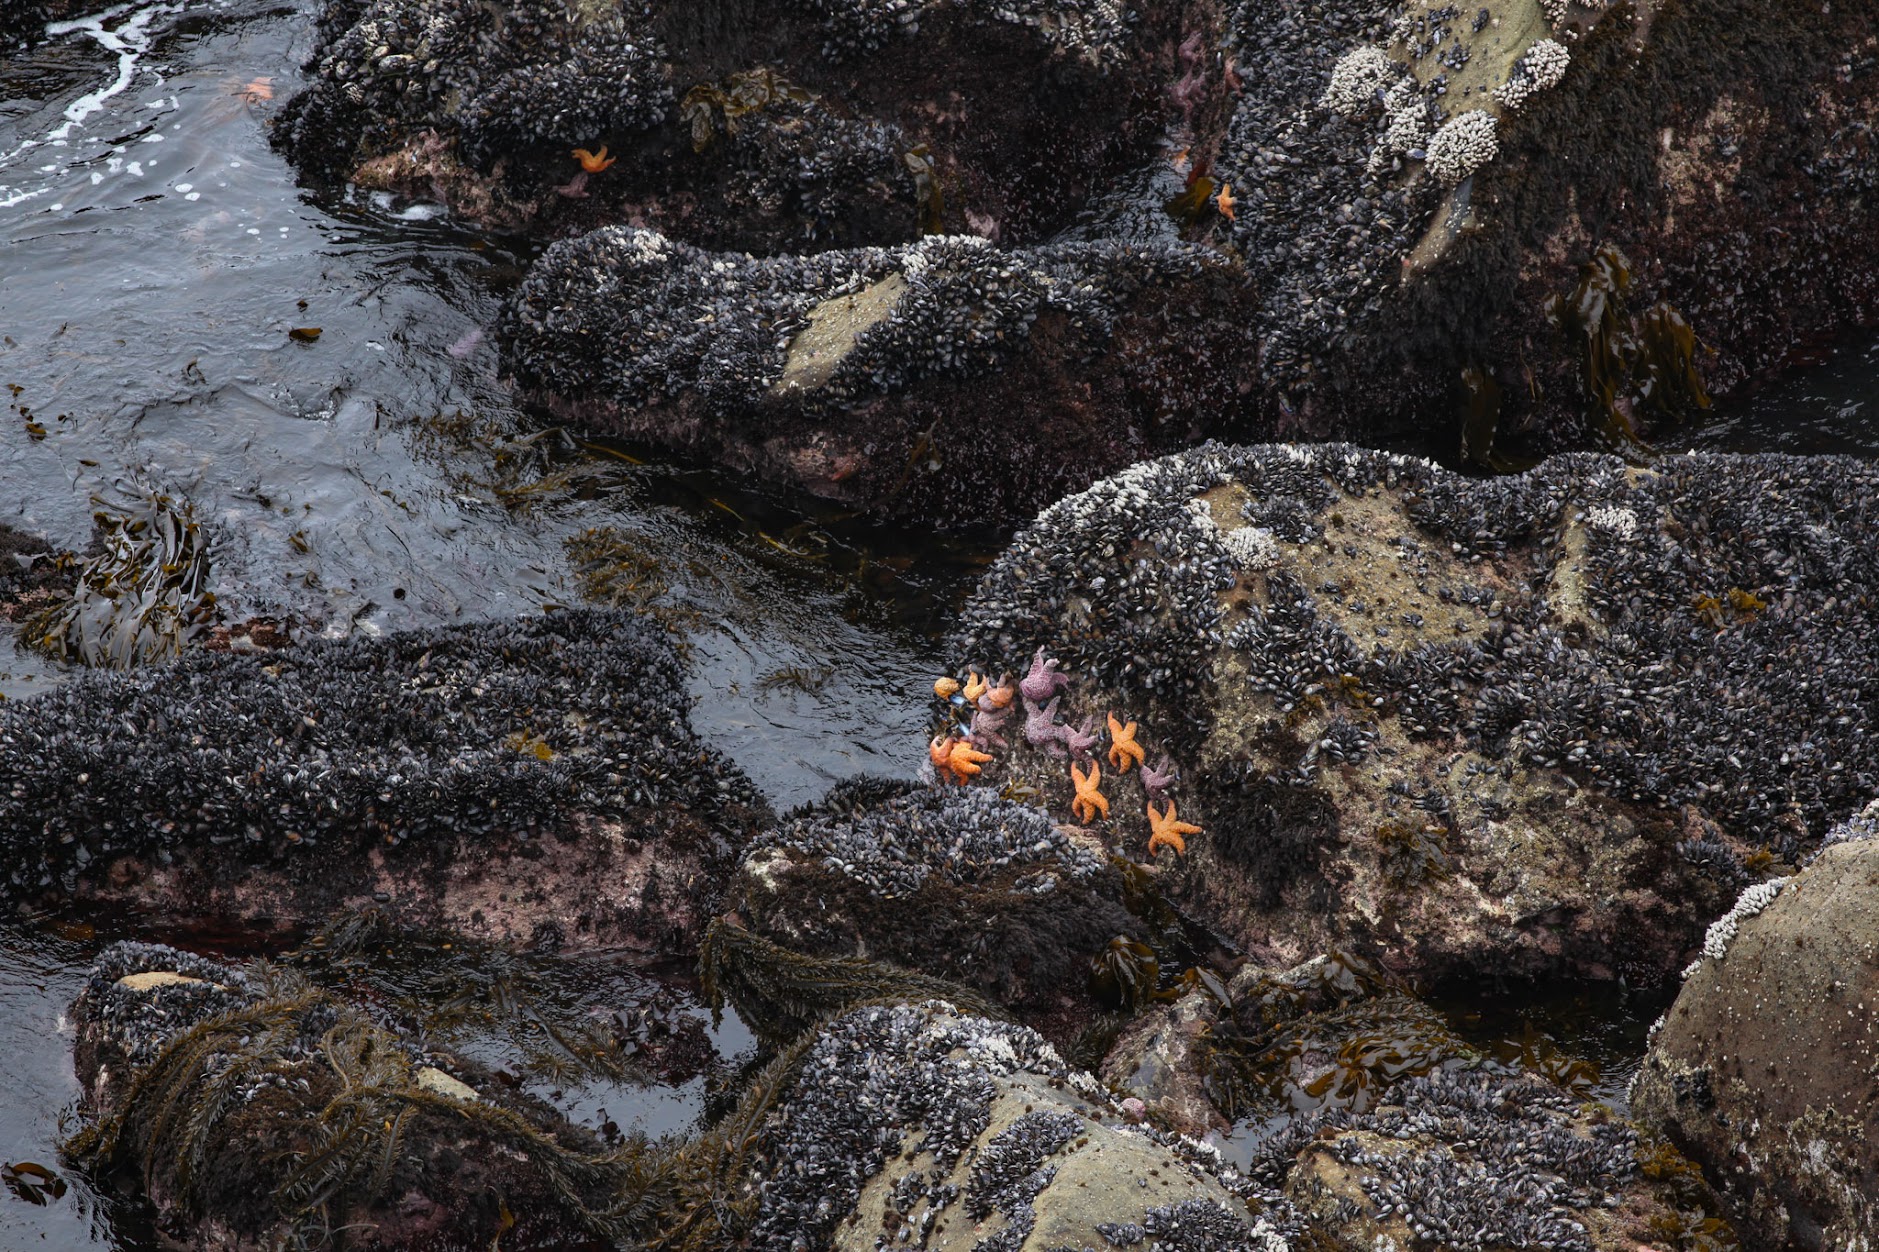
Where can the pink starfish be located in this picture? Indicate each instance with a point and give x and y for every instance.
(1041, 729)
(985, 728)
(1044, 680)
(1156, 781)
(1081, 741)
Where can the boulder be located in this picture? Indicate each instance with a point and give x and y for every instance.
(526, 781)
(1565, 220)
(797, 126)
(951, 380)
(954, 883)
(1525, 726)
(1762, 1068)
(259, 1110)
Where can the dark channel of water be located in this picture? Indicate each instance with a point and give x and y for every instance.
(154, 255)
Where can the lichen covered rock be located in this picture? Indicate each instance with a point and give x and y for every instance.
(916, 1123)
(534, 779)
(1762, 1069)
(954, 883)
(1525, 725)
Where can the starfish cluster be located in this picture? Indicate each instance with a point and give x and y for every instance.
(978, 710)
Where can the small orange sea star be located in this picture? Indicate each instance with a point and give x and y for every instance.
(1089, 801)
(594, 162)
(1123, 750)
(1166, 831)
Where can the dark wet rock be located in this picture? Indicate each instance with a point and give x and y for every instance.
(1762, 1068)
(506, 779)
(1718, 144)
(805, 124)
(1520, 726)
(1004, 1147)
(256, 1108)
(954, 883)
(952, 380)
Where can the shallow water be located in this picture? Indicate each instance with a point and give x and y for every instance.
(154, 256)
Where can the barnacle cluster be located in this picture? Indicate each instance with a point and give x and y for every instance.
(1433, 652)
(315, 752)
(1539, 68)
(1461, 146)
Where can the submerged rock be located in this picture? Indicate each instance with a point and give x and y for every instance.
(957, 884)
(259, 1109)
(1762, 1068)
(526, 780)
(914, 1123)
(1529, 725)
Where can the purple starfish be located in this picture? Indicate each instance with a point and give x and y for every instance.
(1041, 729)
(1044, 680)
(985, 728)
(1082, 741)
(1156, 781)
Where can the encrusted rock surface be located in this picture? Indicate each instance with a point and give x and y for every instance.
(952, 380)
(1529, 725)
(804, 124)
(915, 1123)
(521, 781)
(1763, 1069)
(955, 883)
(1570, 223)
(258, 1108)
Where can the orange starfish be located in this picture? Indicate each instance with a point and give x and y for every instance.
(1225, 201)
(1089, 801)
(1165, 831)
(964, 760)
(1123, 750)
(940, 752)
(946, 688)
(1001, 696)
(975, 687)
(594, 162)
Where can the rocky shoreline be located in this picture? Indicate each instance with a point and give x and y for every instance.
(1241, 751)
(1237, 757)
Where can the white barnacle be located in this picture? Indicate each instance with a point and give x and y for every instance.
(1357, 78)
(1463, 145)
(1620, 523)
(1539, 68)
(1753, 900)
